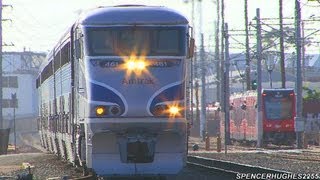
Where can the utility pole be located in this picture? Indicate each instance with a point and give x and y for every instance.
(200, 17)
(303, 51)
(194, 69)
(192, 12)
(203, 118)
(14, 105)
(1, 45)
(217, 51)
(1, 93)
(299, 123)
(248, 79)
(226, 89)
(222, 58)
(4, 132)
(283, 74)
(196, 85)
(259, 99)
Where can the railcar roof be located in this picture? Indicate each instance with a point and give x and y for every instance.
(277, 89)
(132, 15)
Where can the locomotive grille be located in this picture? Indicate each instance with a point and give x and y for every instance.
(138, 152)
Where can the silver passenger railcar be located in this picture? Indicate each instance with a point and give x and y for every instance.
(114, 93)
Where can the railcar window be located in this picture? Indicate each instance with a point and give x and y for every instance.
(56, 61)
(47, 72)
(65, 54)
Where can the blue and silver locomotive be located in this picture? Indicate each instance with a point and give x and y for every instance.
(114, 93)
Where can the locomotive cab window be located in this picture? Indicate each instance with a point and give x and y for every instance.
(166, 42)
(151, 41)
(103, 42)
(133, 42)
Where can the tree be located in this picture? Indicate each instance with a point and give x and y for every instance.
(311, 94)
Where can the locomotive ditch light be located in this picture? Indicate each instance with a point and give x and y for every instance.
(100, 110)
(174, 110)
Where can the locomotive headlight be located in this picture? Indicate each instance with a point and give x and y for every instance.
(140, 65)
(136, 65)
(131, 65)
(100, 110)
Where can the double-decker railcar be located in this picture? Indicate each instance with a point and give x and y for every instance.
(114, 93)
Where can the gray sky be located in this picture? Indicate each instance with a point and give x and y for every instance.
(38, 24)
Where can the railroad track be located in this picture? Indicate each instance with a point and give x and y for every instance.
(227, 168)
(313, 158)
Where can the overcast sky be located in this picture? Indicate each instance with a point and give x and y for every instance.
(38, 24)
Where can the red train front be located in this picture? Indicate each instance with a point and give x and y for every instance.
(278, 108)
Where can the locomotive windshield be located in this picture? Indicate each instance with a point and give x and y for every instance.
(139, 41)
(278, 108)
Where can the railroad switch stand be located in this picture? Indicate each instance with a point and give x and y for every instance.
(219, 143)
(207, 140)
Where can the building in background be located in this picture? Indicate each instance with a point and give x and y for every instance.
(20, 70)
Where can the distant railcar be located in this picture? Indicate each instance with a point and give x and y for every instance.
(278, 113)
(114, 94)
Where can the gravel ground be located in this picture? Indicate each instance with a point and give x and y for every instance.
(49, 166)
(43, 166)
